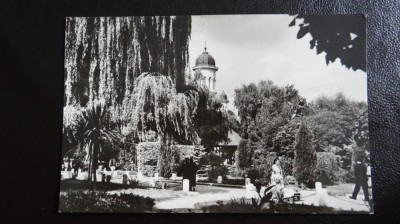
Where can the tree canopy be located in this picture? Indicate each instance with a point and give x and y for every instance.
(339, 36)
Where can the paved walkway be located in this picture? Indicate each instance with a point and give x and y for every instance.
(338, 202)
(201, 196)
(174, 198)
(226, 194)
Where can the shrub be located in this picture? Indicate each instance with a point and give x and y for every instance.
(92, 201)
(217, 171)
(305, 157)
(327, 168)
(287, 165)
(263, 163)
(243, 155)
(171, 157)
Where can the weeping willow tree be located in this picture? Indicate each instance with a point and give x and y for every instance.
(155, 105)
(105, 55)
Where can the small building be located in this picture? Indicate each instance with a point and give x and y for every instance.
(227, 149)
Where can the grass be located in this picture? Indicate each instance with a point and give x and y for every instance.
(341, 189)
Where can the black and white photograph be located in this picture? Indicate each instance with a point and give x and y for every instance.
(216, 114)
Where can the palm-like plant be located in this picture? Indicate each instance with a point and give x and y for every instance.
(95, 134)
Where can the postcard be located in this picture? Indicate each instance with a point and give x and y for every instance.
(216, 114)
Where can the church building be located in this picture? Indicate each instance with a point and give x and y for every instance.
(205, 74)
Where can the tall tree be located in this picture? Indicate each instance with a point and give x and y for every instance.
(268, 116)
(104, 56)
(156, 106)
(336, 123)
(305, 157)
(212, 123)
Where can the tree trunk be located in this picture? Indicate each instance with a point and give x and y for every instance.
(90, 156)
(95, 162)
(138, 153)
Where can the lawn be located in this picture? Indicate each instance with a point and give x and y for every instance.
(341, 189)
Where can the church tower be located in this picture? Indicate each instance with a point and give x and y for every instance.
(205, 69)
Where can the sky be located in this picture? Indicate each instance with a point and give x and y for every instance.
(250, 48)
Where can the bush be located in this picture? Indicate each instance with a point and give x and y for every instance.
(327, 168)
(243, 155)
(92, 201)
(263, 163)
(217, 171)
(171, 157)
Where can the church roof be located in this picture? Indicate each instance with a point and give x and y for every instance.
(205, 60)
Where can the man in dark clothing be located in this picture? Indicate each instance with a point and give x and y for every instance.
(192, 178)
(186, 171)
(361, 179)
(75, 166)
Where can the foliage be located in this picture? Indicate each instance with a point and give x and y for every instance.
(243, 205)
(361, 130)
(243, 155)
(186, 151)
(156, 106)
(253, 174)
(269, 119)
(344, 39)
(287, 165)
(328, 168)
(104, 55)
(305, 157)
(263, 163)
(283, 141)
(211, 159)
(96, 134)
(166, 161)
(150, 154)
(216, 163)
(219, 170)
(92, 201)
(212, 123)
(337, 123)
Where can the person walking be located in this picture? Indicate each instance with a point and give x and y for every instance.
(186, 171)
(361, 180)
(75, 166)
(192, 178)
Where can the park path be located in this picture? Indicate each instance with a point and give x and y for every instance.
(338, 202)
(193, 198)
(308, 198)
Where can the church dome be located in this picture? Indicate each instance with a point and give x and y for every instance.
(205, 59)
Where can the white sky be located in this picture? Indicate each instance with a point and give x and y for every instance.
(249, 48)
